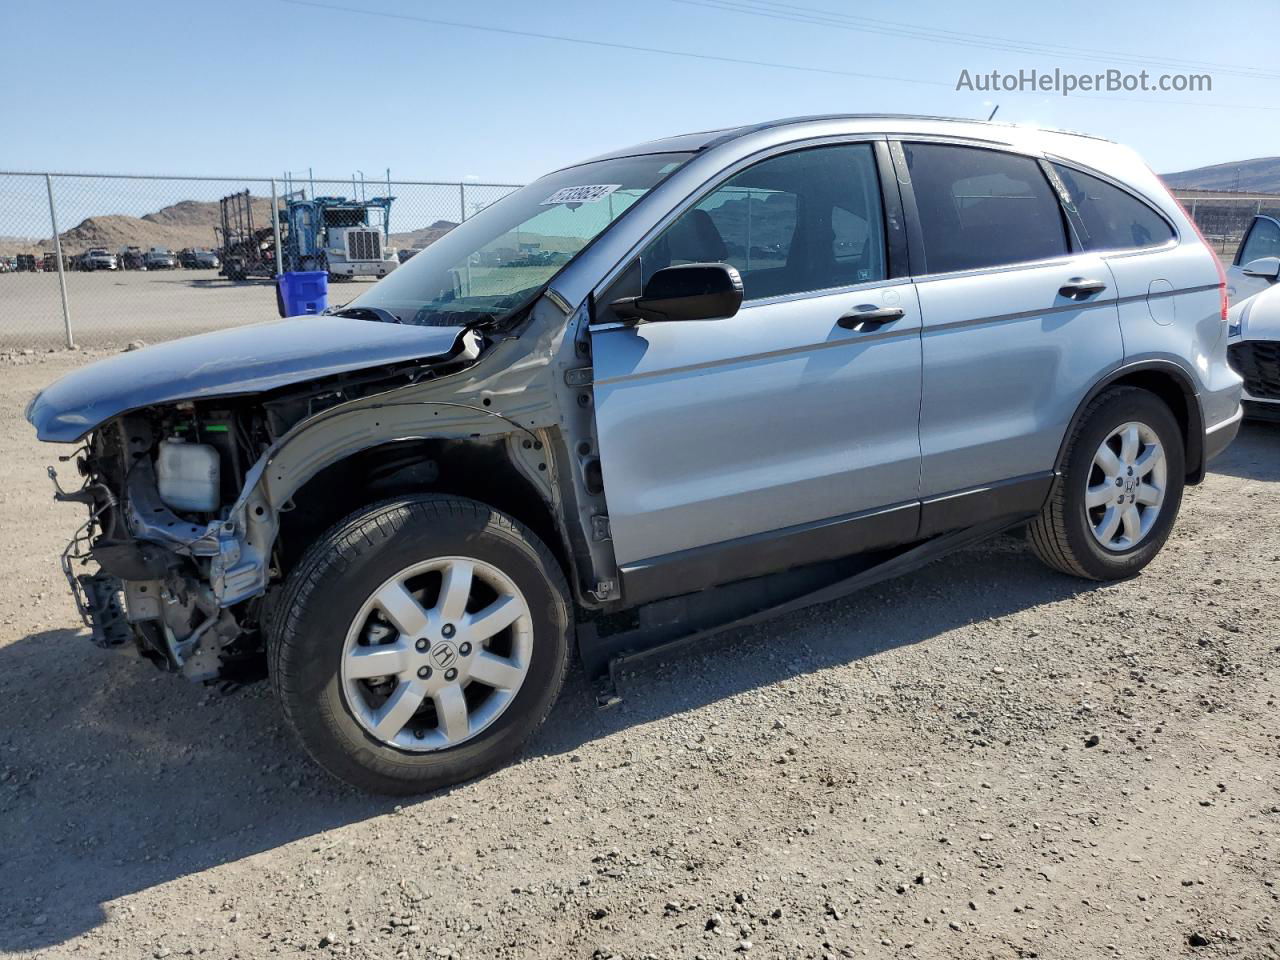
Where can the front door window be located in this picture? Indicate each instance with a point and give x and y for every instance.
(801, 222)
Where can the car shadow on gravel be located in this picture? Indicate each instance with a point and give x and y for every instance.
(219, 283)
(1254, 454)
(115, 778)
(983, 583)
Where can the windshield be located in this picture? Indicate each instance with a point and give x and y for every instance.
(497, 260)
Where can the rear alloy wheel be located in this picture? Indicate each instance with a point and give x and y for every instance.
(1119, 489)
(1127, 485)
(419, 643)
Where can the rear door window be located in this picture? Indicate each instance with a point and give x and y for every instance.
(982, 208)
(1107, 217)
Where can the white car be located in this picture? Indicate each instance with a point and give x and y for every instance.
(98, 259)
(1257, 261)
(1253, 346)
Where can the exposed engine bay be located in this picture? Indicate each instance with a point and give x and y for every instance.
(164, 487)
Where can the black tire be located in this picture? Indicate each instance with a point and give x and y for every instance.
(325, 592)
(1061, 535)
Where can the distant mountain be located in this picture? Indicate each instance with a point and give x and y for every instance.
(188, 223)
(11, 245)
(1243, 176)
(423, 237)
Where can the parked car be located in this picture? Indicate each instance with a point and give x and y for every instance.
(160, 260)
(132, 258)
(1254, 351)
(419, 507)
(1256, 261)
(199, 259)
(49, 263)
(97, 258)
(26, 263)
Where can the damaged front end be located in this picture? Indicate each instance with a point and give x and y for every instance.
(152, 581)
(177, 555)
(201, 503)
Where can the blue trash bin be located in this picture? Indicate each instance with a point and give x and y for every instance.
(300, 292)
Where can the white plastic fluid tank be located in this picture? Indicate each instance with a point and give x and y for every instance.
(188, 476)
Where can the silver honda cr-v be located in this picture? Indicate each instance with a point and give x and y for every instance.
(683, 386)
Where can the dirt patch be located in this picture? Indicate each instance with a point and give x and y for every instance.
(983, 760)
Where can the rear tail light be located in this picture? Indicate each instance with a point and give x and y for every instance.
(1222, 274)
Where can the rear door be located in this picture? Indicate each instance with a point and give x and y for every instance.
(1017, 326)
(781, 435)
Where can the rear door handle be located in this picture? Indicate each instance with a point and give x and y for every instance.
(1078, 288)
(866, 318)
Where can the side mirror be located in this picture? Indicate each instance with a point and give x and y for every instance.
(1266, 267)
(692, 291)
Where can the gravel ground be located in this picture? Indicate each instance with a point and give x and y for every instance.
(983, 760)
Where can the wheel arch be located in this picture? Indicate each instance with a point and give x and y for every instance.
(1174, 386)
(484, 469)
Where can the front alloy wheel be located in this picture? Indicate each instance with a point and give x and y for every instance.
(437, 653)
(419, 643)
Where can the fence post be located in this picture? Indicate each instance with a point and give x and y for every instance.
(462, 201)
(275, 228)
(57, 252)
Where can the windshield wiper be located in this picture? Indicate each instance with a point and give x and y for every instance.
(467, 319)
(367, 313)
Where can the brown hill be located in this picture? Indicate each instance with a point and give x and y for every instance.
(198, 215)
(188, 223)
(423, 237)
(9, 246)
(1242, 176)
(116, 230)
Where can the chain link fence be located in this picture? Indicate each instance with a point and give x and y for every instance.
(103, 260)
(1224, 217)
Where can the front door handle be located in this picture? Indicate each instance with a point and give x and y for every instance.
(1078, 288)
(866, 318)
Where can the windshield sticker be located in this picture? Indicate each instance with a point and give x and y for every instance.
(590, 193)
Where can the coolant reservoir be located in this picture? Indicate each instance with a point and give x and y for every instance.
(188, 477)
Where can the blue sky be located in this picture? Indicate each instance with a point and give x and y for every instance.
(241, 87)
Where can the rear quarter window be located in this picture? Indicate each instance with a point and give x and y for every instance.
(1107, 217)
